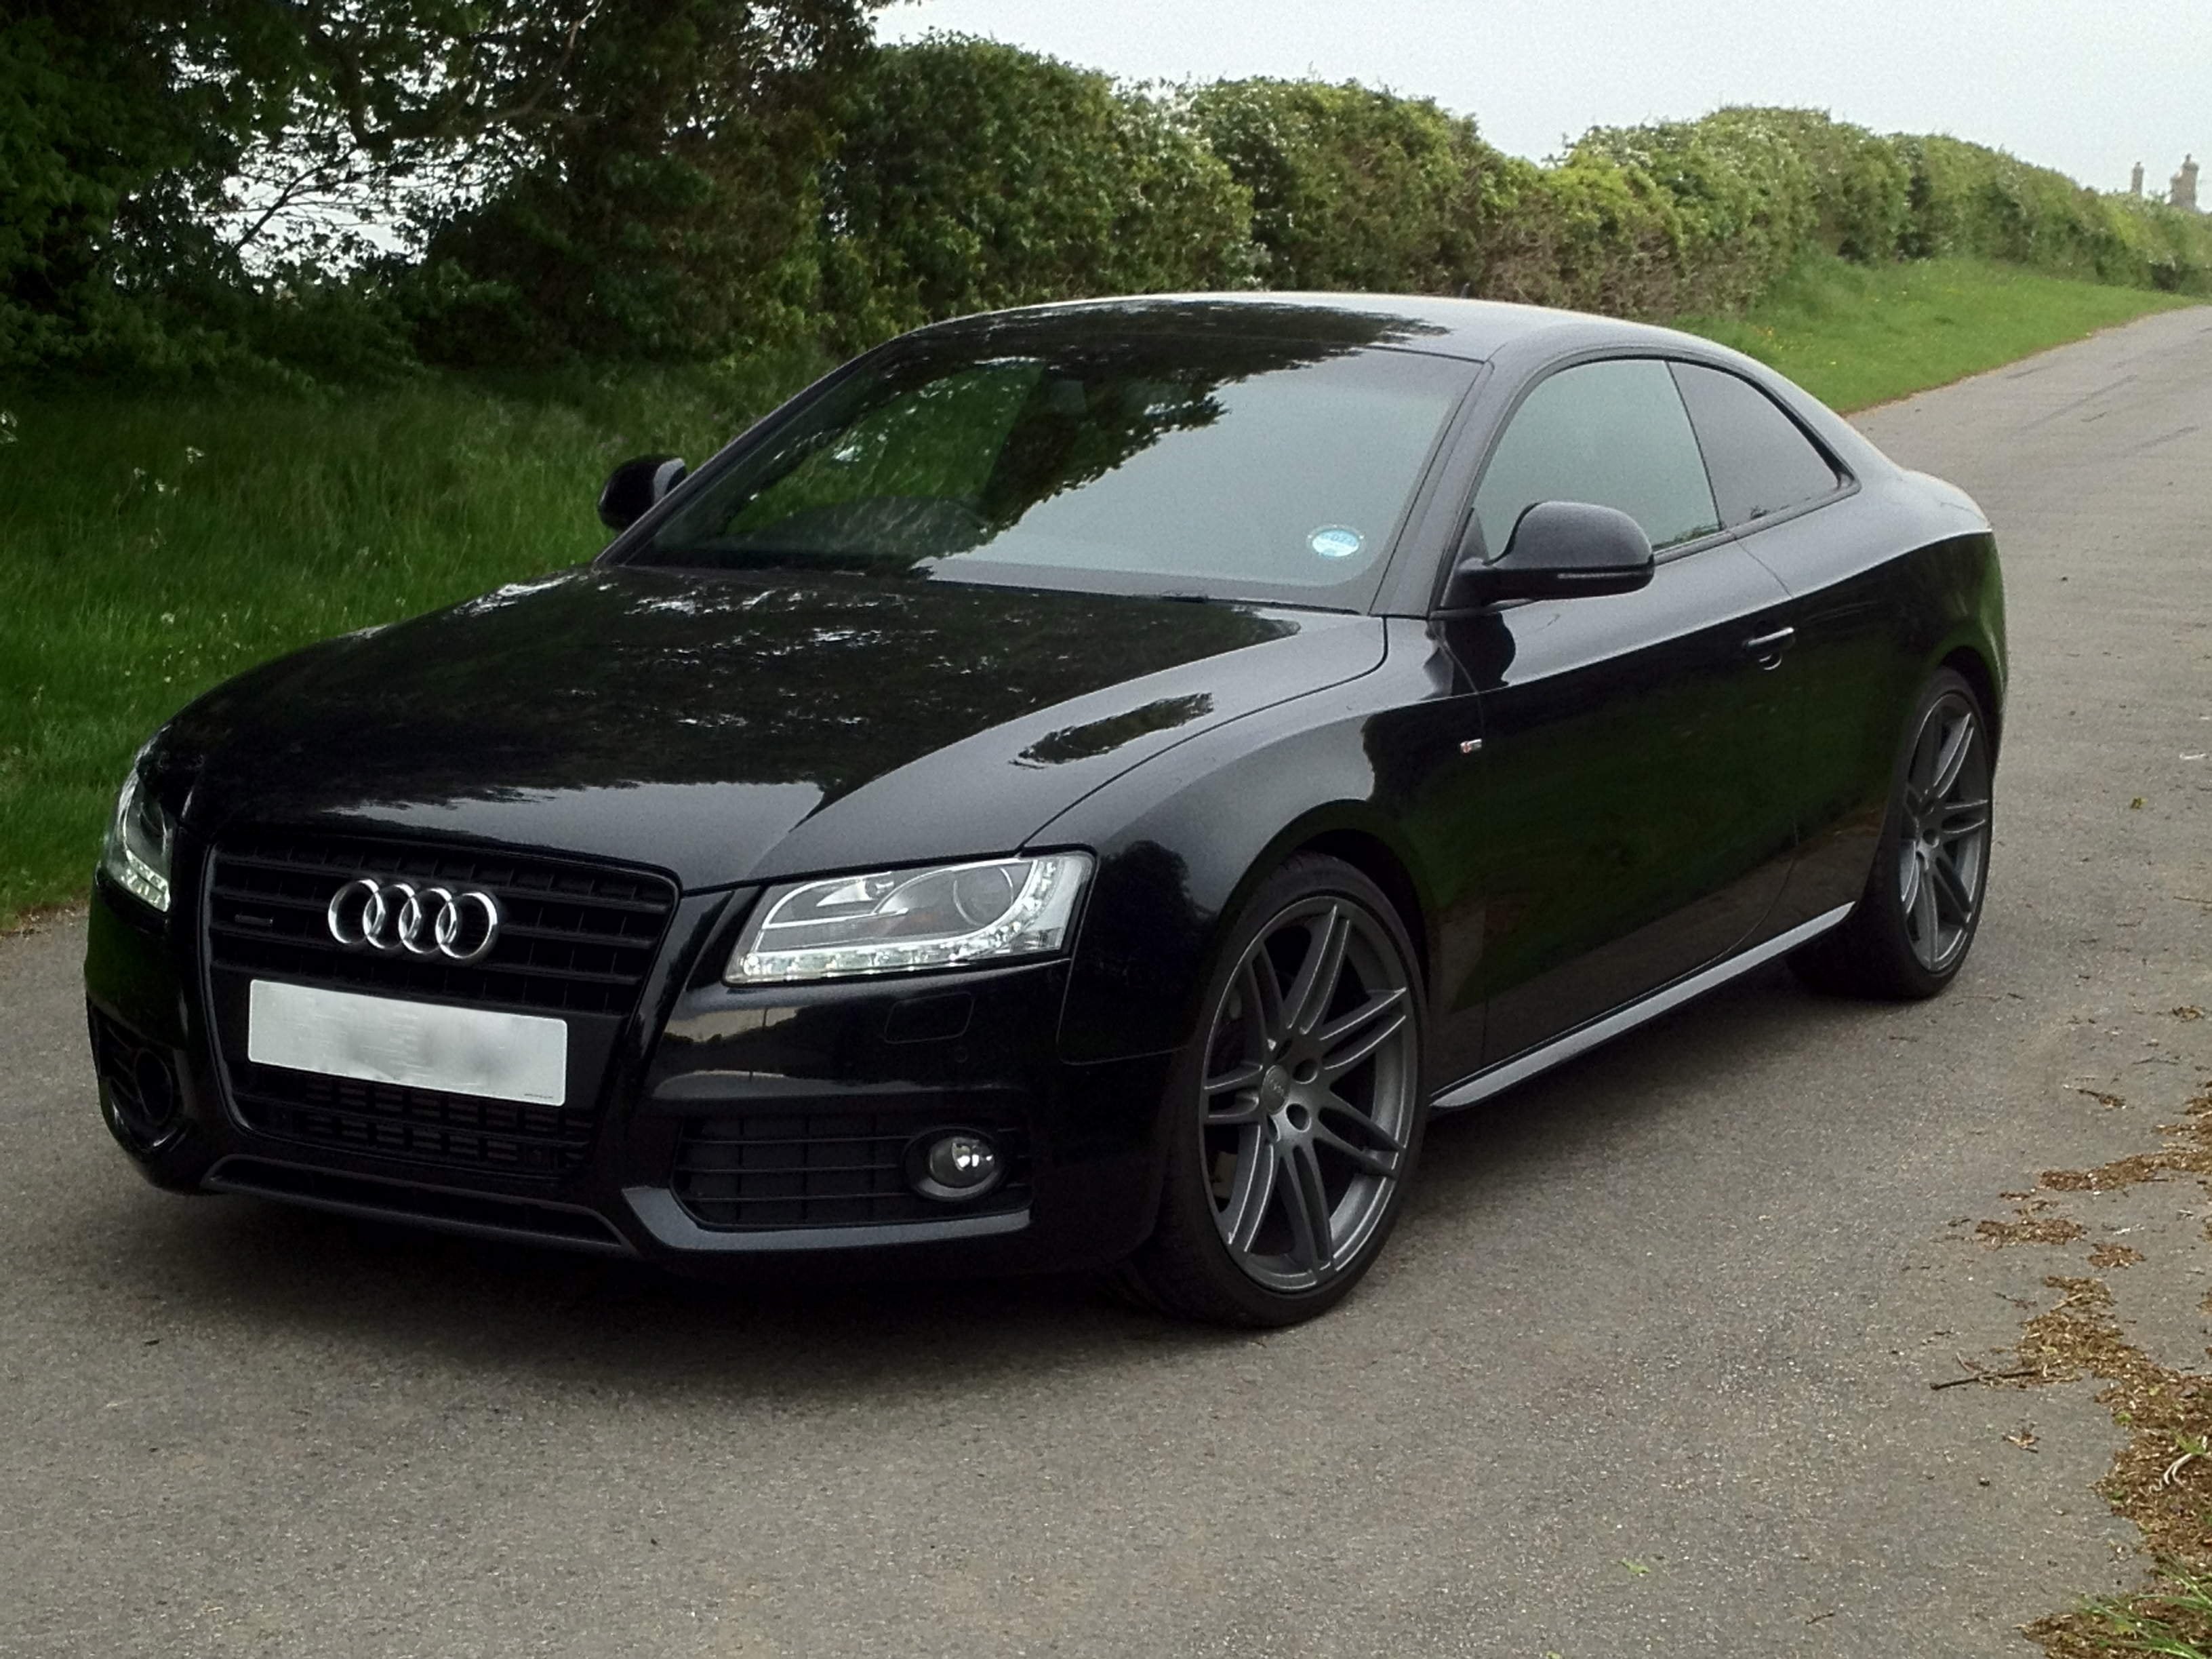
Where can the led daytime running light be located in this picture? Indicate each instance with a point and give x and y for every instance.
(138, 862)
(860, 933)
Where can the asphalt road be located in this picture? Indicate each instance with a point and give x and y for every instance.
(1644, 1371)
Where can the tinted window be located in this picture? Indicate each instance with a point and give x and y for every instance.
(1760, 462)
(1614, 434)
(1230, 466)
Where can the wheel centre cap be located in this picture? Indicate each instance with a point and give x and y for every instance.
(1274, 1088)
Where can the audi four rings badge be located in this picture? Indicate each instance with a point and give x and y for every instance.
(395, 915)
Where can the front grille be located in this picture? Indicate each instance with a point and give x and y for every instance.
(418, 1126)
(826, 1170)
(576, 941)
(573, 937)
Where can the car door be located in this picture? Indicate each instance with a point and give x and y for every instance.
(1636, 809)
(1782, 496)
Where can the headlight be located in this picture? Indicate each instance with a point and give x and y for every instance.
(137, 851)
(901, 921)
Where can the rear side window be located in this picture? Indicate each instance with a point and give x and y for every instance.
(1614, 434)
(1761, 463)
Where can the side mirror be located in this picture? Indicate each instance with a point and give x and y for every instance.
(635, 487)
(1558, 550)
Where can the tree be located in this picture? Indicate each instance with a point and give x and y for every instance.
(602, 162)
(118, 122)
(660, 198)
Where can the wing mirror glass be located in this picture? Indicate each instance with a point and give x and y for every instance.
(635, 487)
(1558, 550)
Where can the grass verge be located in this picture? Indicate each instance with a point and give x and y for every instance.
(1853, 336)
(2158, 1621)
(150, 548)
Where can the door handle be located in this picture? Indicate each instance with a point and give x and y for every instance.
(1767, 648)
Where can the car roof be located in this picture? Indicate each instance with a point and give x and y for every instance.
(1476, 329)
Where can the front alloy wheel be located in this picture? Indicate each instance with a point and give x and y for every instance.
(1308, 1095)
(1302, 1111)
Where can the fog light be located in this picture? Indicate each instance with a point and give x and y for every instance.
(955, 1166)
(148, 1106)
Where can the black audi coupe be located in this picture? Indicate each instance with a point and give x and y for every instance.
(1078, 787)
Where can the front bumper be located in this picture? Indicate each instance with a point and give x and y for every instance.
(732, 1129)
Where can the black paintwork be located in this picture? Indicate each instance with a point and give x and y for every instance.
(1575, 799)
(737, 728)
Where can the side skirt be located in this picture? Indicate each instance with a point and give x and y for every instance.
(1482, 1084)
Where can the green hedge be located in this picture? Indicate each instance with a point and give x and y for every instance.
(1706, 215)
(1351, 188)
(1968, 199)
(697, 210)
(973, 174)
(970, 175)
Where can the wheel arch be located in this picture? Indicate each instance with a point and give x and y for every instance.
(1375, 858)
(1353, 831)
(1151, 944)
(1970, 666)
(1184, 842)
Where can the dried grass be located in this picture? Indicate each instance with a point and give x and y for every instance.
(2161, 1478)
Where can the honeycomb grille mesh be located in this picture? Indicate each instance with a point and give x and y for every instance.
(576, 940)
(824, 1170)
(573, 937)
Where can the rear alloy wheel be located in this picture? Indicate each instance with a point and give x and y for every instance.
(1298, 1118)
(1943, 843)
(1911, 930)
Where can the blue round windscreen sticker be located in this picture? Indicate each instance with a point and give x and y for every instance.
(1336, 541)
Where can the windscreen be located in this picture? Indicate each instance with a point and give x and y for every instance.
(1236, 469)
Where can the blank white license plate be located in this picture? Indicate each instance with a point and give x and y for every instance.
(418, 1045)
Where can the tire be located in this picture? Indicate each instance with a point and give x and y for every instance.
(1908, 935)
(1295, 1100)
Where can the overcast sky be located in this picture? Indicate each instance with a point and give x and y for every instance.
(2090, 87)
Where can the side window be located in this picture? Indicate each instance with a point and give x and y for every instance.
(1614, 434)
(1761, 463)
